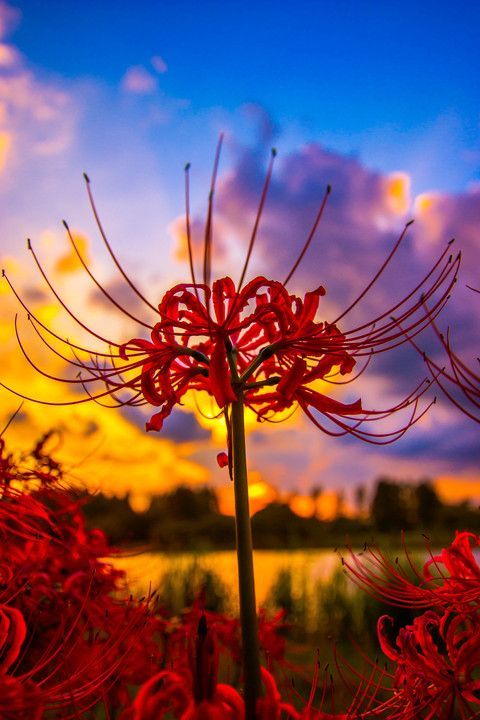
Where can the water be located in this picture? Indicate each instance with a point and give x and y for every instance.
(307, 568)
(309, 585)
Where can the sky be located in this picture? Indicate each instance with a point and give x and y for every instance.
(380, 100)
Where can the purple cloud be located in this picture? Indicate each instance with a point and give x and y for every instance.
(365, 215)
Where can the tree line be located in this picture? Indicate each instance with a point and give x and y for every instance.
(190, 519)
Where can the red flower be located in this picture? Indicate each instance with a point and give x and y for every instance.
(450, 579)
(457, 376)
(12, 634)
(257, 341)
(66, 641)
(191, 693)
(437, 660)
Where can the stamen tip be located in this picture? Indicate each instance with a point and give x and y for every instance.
(65, 225)
(329, 189)
(451, 241)
(187, 166)
(410, 222)
(3, 272)
(29, 244)
(86, 178)
(274, 152)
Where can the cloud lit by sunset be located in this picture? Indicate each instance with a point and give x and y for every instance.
(398, 192)
(132, 121)
(239, 359)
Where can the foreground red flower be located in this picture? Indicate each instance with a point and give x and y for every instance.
(437, 659)
(69, 638)
(191, 692)
(449, 579)
(72, 640)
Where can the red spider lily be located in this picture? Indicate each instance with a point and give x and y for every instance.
(448, 579)
(227, 637)
(20, 699)
(460, 376)
(456, 375)
(437, 660)
(193, 694)
(272, 707)
(254, 345)
(66, 641)
(257, 339)
(12, 634)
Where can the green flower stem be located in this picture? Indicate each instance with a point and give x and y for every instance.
(261, 357)
(246, 582)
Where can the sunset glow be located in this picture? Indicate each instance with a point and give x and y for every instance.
(132, 123)
(239, 360)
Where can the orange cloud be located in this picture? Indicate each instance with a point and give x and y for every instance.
(454, 490)
(69, 262)
(426, 210)
(5, 144)
(177, 232)
(397, 193)
(260, 494)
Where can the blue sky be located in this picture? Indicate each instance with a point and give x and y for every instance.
(375, 79)
(380, 99)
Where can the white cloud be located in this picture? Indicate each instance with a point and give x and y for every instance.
(36, 116)
(139, 81)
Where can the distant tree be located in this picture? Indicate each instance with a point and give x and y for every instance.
(389, 509)
(115, 517)
(187, 504)
(339, 503)
(404, 506)
(428, 504)
(360, 498)
(277, 525)
(315, 493)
